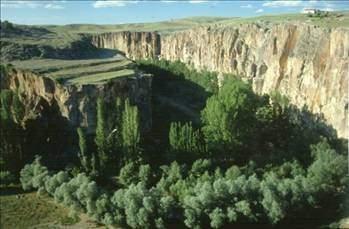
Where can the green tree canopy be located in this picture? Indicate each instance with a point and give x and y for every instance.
(229, 115)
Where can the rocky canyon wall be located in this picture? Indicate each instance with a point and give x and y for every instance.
(135, 45)
(307, 63)
(77, 103)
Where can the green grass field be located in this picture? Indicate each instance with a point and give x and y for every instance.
(27, 210)
(334, 20)
(77, 71)
(100, 77)
(62, 36)
(89, 71)
(161, 27)
(50, 65)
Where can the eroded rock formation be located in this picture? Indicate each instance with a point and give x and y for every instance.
(307, 63)
(77, 103)
(135, 45)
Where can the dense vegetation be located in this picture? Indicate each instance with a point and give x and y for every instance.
(240, 158)
(25, 133)
(198, 194)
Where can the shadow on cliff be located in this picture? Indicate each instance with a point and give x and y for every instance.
(104, 53)
(51, 135)
(177, 99)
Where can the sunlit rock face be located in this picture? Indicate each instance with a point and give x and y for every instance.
(135, 45)
(77, 103)
(309, 64)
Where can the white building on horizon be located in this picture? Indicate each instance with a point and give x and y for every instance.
(310, 11)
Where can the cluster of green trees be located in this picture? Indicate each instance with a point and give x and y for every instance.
(186, 143)
(250, 158)
(12, 156)
(6, 26)
(25, 133)
(319, 14)
(199, 194)
(117, 139)
(179, 93)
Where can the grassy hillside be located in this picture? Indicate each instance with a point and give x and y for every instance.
(25, 210)
(89, 71)
(162, 27)
(51, 41)
(333, 20)
(21, 42)
(63, 36)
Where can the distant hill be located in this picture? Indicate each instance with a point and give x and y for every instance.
(54, 41)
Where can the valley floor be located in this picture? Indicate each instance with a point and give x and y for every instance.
(19, 210)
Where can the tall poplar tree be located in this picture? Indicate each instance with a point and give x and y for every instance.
(101, 138)
(130, 131)
(83, 154)
(185, 143)
(116, 138)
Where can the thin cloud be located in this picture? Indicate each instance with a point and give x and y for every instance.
(276, 4)
(32, 4)
(54, 6)
(19, 4)
(197, 1)
(169, 1)
(107, 4)
(259, 11)
(248, 6)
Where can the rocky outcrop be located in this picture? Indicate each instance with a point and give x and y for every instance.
(77, 103)
(135, 45)
(309, 64)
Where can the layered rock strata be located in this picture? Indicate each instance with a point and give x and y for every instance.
(307, 63)
(135, 45)
(77, 103)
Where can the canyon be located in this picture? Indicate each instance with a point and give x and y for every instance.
(77, 103)
(307, 63)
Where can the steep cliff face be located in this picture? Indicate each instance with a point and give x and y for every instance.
(77, 103)
(309, 64)
(135, 45)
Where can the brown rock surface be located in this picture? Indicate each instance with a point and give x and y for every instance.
(135, 45)
(309, 64)
(77, 103)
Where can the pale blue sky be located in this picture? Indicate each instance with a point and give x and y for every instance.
(115, 12)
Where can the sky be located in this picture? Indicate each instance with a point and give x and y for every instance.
(119, 12)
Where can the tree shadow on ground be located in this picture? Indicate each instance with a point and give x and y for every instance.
(12, 190)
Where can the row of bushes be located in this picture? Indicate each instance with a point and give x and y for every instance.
(200, 194)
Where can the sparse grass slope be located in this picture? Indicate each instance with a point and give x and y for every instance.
(90, 71)
(26, 210)
(333, 20)
(100, 77)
